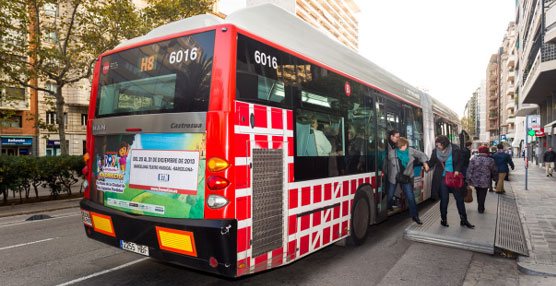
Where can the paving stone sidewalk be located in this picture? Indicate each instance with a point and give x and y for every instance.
(537, 211)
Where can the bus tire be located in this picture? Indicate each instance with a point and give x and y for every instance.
(360, 219)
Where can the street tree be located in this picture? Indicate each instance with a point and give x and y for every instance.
(50, 44)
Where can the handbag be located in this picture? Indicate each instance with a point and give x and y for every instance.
(469, 196)
(451, 180)
(400, 177)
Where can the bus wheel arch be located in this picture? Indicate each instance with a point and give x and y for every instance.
(363, 214)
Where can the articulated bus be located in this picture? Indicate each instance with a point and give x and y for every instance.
(238, 145)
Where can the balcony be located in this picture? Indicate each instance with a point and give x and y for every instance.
(510, 105)
(14, 99)
(77, 94)
(493, 115)
(510, 91)
(540, 79)
(550, 23)
(510, 120)
(511, 61)
(511, 75)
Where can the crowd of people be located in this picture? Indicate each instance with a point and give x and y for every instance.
(454, 171)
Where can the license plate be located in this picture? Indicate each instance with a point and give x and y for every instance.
(133, 247)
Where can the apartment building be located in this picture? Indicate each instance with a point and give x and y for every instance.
(536, 48)
(507, 84)
(484, 134)
(492, 99)
(335, 18)
(18, 133)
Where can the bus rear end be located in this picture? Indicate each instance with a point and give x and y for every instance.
(157, 161)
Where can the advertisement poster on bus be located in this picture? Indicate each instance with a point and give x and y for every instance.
(151, 174)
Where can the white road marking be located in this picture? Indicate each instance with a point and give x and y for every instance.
(28, 243)
(103, 272)
(33, 221)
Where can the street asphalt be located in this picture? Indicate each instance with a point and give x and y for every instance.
(56, 251)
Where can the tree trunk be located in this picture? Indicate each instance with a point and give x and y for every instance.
(5, 193)
(36, 191)
(20, 198)
(60, 118)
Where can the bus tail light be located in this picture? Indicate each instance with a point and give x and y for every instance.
(85, 170)
(217, 183)
(103, 224)
(86, 158)
(216, 201)
(216, 164)
(175, 240)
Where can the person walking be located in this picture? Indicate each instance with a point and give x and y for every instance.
(502, 161)
(482, 170)
(447, 157)
(404, 174)
(392, 165)
(549, 158)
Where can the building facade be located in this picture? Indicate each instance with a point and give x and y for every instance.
(18, 133)
(336, 18)
(536, 48)
(492, 99)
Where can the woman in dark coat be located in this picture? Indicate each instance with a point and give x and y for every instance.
(451, 156)
(482, 170)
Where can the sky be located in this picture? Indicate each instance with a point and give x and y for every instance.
(441, 46)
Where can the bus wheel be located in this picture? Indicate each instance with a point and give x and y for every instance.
(360, 219)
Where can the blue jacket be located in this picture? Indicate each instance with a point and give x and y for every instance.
(502, 160)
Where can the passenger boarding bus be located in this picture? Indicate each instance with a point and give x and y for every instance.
(238, 145)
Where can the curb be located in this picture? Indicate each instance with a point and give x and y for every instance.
(536, 269)
(44, 209)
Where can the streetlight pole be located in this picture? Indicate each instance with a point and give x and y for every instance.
(499, 93)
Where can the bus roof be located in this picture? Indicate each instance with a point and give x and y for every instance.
(281, 27)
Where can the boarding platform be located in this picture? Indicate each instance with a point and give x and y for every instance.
(497, 229)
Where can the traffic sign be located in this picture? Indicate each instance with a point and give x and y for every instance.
(534, 122)
(531, 132)
(539, 133)
(495, 141)
(503, 137)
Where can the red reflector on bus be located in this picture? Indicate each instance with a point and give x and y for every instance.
(217, 183)
(133, 129)
(213, 262)
(176, 241)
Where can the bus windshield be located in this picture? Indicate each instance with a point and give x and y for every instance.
(164, 77)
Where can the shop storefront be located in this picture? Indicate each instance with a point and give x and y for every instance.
(53, 148)
(15, 146)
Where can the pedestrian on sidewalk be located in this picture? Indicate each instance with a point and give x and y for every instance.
(447, 157)
(482, 170)
(404, 174)
(502, 161)
(549, 158)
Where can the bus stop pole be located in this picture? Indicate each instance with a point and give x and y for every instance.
(526, 148)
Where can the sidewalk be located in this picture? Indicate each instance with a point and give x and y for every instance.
(47, 206)
(537, 211)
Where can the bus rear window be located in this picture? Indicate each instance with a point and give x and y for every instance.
(164, 77)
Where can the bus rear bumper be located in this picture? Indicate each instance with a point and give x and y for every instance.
(213, 245)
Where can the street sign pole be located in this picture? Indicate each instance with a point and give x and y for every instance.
(526, 148)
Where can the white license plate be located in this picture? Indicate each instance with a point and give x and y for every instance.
(133, 247)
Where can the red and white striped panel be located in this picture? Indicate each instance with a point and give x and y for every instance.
(272, 129)
(316, 212)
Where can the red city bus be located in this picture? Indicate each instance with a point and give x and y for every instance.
(241, 145)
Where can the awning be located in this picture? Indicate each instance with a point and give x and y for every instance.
(548, 128)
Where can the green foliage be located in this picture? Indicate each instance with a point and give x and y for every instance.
(19, 173)
(57, 41)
